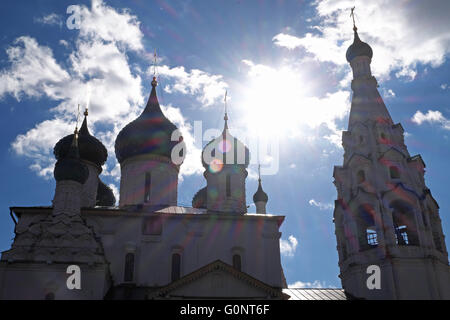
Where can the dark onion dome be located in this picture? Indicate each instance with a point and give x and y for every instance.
(358, 48)
(260, 195)
(150, 133)
(70, 167)
(199, 200)
(221, 146)
(105, 195)
(90, 148)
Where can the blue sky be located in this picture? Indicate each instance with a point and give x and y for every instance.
(283, 64)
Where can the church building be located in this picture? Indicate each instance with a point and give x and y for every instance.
(149, 247)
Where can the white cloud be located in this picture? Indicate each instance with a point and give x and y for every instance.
(115, 191)
(38, 142)
(320, 205)
(34, 71)
(192, 162)
(444, 86)
(99, 75)
(401, 37)
(288, 247)
(51, 19)
(292, 166)
(98, 71)
(64, 43)
(207, 87)
(431, 117)
(387, 94)
(101, 22)
(315, 284)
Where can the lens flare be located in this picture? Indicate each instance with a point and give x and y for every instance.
(224, 146)
(216, 165)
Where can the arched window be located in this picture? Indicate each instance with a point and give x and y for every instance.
(50, 296)
(361, 176)
(394, 172)
(129, 267)
(148, 182)
(176, 266)
(237, 263)
(404, 224)
(367, 230)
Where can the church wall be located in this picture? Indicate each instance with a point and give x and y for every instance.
(34, 281)
(200, 239)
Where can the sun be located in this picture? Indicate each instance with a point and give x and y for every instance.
(273, 101)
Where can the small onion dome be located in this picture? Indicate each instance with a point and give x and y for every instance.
(90, 148)
(225, 150)
(358, 48)
(105, 195)
(199, 200)
(70, 167)
(260, 195)
(150, 133)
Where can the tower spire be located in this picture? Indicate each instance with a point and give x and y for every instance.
(352, 14)
(226, 111)
(155, 61)
(84, 128)
(260, 198)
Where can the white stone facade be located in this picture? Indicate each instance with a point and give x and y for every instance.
(385, 214)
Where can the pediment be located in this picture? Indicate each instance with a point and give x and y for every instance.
(357, 160)
(392, 154)
(362, 196)
(218, 280)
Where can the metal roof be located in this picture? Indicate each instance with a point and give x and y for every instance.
(315, 294)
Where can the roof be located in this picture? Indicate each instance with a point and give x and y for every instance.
(150, 133)
(139, 210)
(316, 294)
(358, 48)
(90, 148)
(260, 195)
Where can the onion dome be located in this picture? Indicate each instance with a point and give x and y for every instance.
(105, 195)
(70, 167)
(90, 148)
(199, 200)
(358, 48)
(225, 150)
(150, 133)
(260, 195)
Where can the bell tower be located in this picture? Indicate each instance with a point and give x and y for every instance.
(384, 213)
